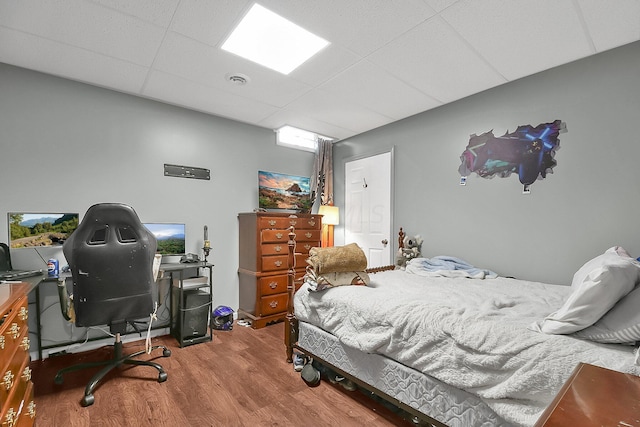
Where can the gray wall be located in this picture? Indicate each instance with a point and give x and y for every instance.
(65, 146)
(587, 205)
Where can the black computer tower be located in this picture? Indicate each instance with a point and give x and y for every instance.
(193, 312)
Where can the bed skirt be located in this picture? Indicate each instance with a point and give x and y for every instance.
(426, 395)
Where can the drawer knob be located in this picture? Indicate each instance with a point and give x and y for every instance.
(293, 222)
(278, 248)
(25, 344)
(26, 374)
(14, 330)
(307, 246)
(308, 235)
(278, 263)
(272, 222)
(273, 304)
(23, 314)
(7, 380)
(31, 409)
(278, 235)
(312, 222)
(273, 285)
(11, 417)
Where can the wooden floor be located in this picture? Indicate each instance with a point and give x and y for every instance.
(239, 379)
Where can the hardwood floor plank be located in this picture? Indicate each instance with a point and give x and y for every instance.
(240, 379)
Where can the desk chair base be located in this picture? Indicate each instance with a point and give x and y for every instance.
(117, 360)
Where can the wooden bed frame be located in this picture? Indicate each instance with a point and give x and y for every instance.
(291, 335)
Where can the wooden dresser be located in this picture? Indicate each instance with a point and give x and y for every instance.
(16, 387)
(595, 397)
(263, 261)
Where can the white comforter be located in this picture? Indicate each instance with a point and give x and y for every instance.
(471, 334)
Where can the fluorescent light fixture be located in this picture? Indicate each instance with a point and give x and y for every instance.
(298, 138)
(270, 40)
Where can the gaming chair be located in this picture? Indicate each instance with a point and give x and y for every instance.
(111, 257)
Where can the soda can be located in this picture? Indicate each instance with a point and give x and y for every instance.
(53, 267)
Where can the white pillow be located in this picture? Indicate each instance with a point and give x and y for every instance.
(597, 287)
(620, 325)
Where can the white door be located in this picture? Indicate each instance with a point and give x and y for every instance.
(368, 207)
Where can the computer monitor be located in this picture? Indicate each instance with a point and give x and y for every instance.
(34, 230)
(170, 237)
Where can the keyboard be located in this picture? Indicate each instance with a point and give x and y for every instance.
(21, 274)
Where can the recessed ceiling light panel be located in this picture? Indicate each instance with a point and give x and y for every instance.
(270, 40)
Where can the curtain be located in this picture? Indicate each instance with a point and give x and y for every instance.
(322, 175)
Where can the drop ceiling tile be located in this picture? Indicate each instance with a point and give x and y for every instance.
(208, 66)
(301, 120)
(158, 12)
(35, 53)
(85, 25)
(611, 23)
(210, 22)
(359, 25)
(185, 93)
(520, 38)
(370, 86)
(321, 106)
(435, 60)
(440, 5)
(330, 61)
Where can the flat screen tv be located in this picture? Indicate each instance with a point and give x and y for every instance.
(28, 230)
(280, 191)
(170, 237)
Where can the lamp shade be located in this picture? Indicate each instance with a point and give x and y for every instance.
(330, 214)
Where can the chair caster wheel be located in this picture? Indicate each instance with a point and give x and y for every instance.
(166, 352)
(162, 377)
(58, 379)
(87, 400)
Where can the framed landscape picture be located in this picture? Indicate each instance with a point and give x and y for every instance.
(281, 191)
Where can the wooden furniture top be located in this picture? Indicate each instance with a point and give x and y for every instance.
(10, 292)
(595, 396)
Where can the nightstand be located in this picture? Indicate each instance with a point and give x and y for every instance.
(595, 396)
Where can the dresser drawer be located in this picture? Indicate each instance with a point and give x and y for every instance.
(16, 375)
(303, 236)
(274, 236)
(273, 284)
(301, 262)
(275, 249)
(285, 223)
(24, 411)
(273, 304)
(274, 262)
(305, 247)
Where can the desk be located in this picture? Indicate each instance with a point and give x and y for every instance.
(174, 270)
(179, 309)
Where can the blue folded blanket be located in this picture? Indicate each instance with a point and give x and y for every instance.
(447, 266)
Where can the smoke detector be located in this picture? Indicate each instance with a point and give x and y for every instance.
(237, 79)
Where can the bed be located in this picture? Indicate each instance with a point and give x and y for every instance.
(456, 351)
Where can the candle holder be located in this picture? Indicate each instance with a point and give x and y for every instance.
(206, 253)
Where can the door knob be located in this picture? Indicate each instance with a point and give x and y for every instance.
(385, 241)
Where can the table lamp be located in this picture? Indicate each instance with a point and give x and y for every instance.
(330, 217)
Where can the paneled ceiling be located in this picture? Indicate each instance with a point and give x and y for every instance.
(388, 59)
